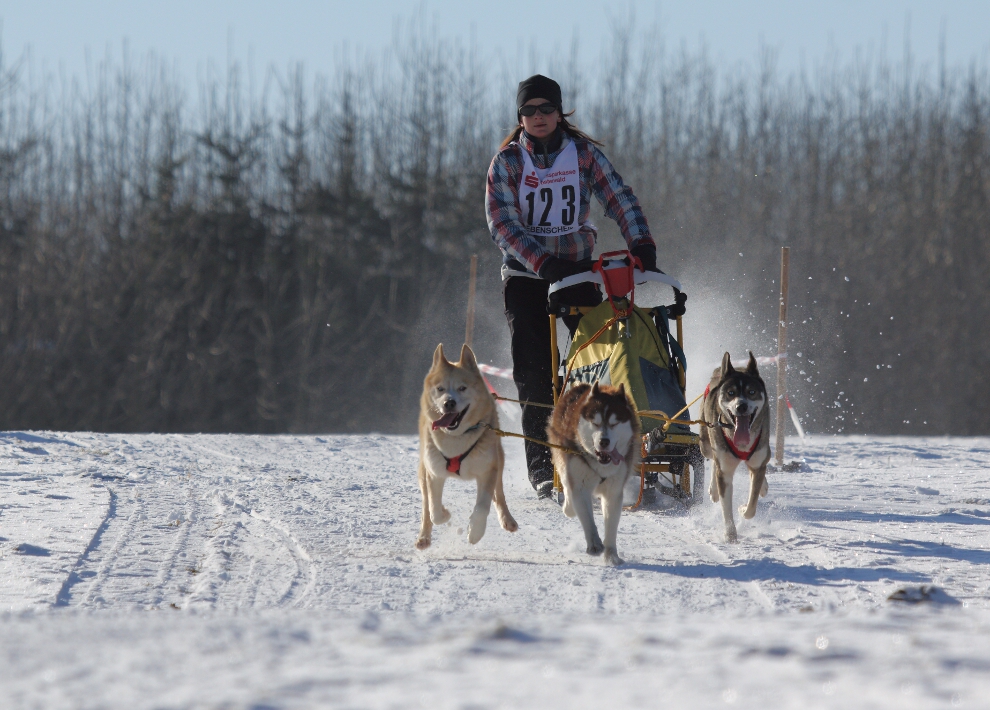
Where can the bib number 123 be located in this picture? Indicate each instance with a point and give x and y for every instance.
(546, 204)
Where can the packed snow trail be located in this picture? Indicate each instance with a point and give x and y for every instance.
(279, 571)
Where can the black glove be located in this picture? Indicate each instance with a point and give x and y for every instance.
(647, 253)
(554, 268)
(678, 308)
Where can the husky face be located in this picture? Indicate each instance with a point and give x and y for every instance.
(451, 389)
(742, 395)
(605, 425)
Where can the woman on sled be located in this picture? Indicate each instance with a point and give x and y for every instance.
(537, 202)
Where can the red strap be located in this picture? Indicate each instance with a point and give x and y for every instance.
(454, 464)
(741, 455)
(618, 281)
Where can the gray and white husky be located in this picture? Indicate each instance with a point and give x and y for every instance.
(735, 409)
(600, 430)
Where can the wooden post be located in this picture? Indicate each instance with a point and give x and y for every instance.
(785, 258)
(472, 285)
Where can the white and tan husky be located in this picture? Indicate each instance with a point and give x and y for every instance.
(599, 427)
(455, 441)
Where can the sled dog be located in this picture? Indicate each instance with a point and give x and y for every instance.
(454, 442)
(735, 409)
(600, 430)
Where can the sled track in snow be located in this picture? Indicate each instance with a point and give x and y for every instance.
(64, 595)
(107, 564)
(228, 501)
(305, 576)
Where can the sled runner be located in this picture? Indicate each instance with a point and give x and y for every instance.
(619, 342)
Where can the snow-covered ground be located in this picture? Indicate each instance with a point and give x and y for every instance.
(167, 571)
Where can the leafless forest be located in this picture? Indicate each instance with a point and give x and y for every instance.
(271, 253)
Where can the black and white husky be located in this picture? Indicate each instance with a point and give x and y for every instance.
(598, 427)
(735, 409)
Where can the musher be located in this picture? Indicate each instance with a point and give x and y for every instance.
(537, 202)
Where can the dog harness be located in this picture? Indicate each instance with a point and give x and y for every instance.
(454, 464)
(741, 455)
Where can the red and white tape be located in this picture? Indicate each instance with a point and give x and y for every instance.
(495, 371)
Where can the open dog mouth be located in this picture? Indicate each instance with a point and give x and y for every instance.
(609, 457)
(740, 430)
(451, 420)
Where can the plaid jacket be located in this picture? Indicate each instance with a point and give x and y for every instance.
(523, 251)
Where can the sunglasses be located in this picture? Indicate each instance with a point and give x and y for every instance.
(545, 109)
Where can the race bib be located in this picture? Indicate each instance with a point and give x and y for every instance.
(550, 199)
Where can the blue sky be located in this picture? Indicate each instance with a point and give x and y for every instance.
(193, 33)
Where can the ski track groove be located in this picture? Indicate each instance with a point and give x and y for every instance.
(303, 561)
(108, 563)
(64, 595)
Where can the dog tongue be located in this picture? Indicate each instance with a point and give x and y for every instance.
(445, 421)
(616, 457)
(740, 435)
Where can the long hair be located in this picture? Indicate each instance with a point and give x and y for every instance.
(568, 128)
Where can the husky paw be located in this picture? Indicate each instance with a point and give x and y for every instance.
(422, 543)
(595, 548)
(612, 558)
(746, 512)
(508, 523)
(568, 508)
(764, 488)
(476, 529)
(441, 518)
(730, 535)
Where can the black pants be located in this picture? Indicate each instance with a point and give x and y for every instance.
(529, 329)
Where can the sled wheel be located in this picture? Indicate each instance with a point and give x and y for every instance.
(681, 486)
(697, 463)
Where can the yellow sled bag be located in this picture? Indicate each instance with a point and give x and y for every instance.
(630, 352)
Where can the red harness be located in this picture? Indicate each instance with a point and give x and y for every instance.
(454, 464)
(742, 455)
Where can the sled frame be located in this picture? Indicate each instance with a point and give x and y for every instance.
(668, 471)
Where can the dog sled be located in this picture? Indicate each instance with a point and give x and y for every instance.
(618, 341)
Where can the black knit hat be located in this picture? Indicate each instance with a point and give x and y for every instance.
(538, 87)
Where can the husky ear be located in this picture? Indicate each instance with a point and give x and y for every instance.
(595, 389)
(727, 368)
(751, 368)
(468, 360)
(439, 360)
(622, 389)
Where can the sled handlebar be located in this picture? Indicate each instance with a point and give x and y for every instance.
(595, 277)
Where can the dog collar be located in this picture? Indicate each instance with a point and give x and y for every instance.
(742, 455)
